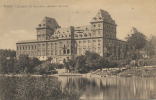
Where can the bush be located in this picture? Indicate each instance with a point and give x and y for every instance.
(150, 62)
(140, 62)
(93, 61)
(35, 88)
(45, 68)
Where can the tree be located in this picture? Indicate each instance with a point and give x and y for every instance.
(70, 64)
(7, 60)
(23, 63)
(80, 64)
(33, 63)
(136, 41)
(152, 46)
(92, 60)
(45, 68)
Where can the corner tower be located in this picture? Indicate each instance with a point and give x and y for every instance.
(103, 23)
(46, 28)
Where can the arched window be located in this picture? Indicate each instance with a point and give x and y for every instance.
(64, 51)
(64, 60)
(68, 51)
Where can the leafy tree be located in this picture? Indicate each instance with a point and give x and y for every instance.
(151, 45)
(92, 60)
(3, 63)
(45, 68)
(136, 41)
(70, 64)
(33, 63)
(23, 63)
(80, 64)
(7, 60)
(7, 53)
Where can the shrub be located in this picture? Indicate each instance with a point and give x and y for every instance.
(150, 62)
(140, 62)
(35, 88)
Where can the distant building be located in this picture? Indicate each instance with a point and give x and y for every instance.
(63, 43)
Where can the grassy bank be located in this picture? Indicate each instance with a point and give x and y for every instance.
(140, 72)
(134, 71)
(34, 88)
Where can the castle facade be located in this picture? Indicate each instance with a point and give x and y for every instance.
(64, 43)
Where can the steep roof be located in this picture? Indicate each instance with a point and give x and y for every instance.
(48, 22)
(103, 15)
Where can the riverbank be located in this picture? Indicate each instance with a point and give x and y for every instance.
(145, 72)
(139, 72)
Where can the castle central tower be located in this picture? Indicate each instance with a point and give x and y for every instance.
(46, 29)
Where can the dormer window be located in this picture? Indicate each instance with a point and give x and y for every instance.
(85, 34)
(39, 25)
(94, 18)
(49, 21)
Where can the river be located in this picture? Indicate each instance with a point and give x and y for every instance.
(112, 88)
(51, 88)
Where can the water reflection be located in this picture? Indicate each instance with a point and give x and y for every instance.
(111, 88)
(53, 88)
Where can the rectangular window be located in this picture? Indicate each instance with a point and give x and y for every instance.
(99, 42)
(94, 42)
(94, 49)
(55, 52)
(84, 43)
(89, 43)
(80, 43)
(51, 52)
(99, 50)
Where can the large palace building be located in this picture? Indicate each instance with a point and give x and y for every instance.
(64, 43)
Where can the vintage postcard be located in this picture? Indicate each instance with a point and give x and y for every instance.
(77, 49)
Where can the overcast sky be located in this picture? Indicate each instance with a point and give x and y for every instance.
(19, 20)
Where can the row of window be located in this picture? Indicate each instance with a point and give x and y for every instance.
(58, 32)
(61, 36)
(83, 50)
(89, 43)
(105, 26)
(116, 43)
(99, 34)
(32, 53)
(33, 47)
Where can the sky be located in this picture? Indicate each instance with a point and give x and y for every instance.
(19, 18)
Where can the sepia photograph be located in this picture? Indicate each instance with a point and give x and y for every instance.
(77, 49)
